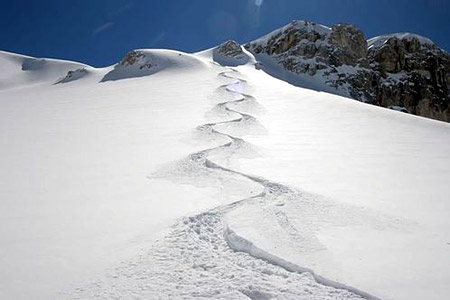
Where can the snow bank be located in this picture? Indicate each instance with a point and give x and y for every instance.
(239, 243)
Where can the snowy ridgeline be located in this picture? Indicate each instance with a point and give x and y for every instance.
(176, 176)
(401, 69)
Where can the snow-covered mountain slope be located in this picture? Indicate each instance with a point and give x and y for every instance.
(175, 176)
(395, 70)
(19, 70)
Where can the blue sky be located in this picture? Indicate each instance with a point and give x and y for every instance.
(99, 32)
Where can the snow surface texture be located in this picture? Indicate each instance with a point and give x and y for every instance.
(145, 187)
(200, 248)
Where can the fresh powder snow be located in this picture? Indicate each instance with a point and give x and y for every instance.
(176, 176)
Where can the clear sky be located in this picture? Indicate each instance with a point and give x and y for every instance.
(99, 32)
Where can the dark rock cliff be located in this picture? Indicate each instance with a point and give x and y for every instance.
(402, 71)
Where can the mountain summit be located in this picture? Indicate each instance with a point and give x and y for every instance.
(402, 71)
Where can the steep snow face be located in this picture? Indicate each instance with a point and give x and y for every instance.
(376, 213)
(20, 70)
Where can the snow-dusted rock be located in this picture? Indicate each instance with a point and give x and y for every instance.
(230, 53)
(145, 62)
(74, 75)
(400, 69)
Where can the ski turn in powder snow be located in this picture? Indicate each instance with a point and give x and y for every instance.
(202, 257)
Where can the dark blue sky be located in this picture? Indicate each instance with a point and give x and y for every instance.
(99, 32)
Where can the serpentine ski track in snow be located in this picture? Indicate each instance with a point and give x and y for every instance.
(202, 257)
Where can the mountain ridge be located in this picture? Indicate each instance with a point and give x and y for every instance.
(401, 71)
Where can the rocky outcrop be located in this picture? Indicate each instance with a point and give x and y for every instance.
(349, 42)
(423, 72)
(73, 75)
(230, 53)
(136, 57)
(405, 71)
(230, 48)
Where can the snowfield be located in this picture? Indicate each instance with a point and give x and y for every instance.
(177, 176)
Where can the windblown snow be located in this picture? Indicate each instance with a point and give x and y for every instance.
(197, 176)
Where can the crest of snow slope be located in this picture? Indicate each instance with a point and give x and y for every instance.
(19, 70)
(77, 198)
(138, 63)
(74, 193)
(379, 41)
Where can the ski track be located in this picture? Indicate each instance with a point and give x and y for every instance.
(201, 257)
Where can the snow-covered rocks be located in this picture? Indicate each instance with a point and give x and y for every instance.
(135, 63)
(230, 53)
(231, 49)
(33, 64)
(145, 62)
(136, 58)
(401, 69)
(74, 75)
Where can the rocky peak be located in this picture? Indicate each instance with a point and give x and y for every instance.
(397, 70)
(230, 48)
(350, 41)
(231, 54)
(403, 52)
(136, 58)
(292, 37)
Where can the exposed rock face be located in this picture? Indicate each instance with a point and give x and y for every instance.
(136, 57)
(230, 53)
(74, 75)
(398, 70)
(424, 76)
(230, 48)
(308, 41)
(350, 41)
